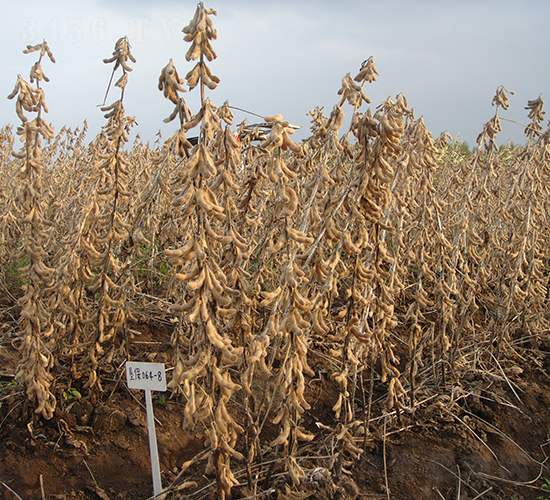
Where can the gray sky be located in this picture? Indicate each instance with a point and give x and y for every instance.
(447, 57)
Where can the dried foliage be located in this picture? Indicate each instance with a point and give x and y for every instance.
(375, 259)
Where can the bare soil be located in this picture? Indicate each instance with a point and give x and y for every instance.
(493, 445)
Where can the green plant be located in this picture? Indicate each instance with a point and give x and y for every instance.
(546, 487)
(71, 393)
(164, 268)
(4, 384)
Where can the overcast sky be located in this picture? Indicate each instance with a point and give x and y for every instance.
(447, 57)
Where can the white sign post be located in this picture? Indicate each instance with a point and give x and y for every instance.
(149, 377)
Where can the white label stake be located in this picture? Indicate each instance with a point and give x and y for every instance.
(149, 377)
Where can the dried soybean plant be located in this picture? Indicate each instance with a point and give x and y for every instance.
(210, 253)
(436, 266)
(474, 208)
(413, 245)
(380, 265)
(305, 311)
(37, 341)
(522, 281)
(92, 284)
(288, 307)
(360, 335)
(336, 262)
(332, 272)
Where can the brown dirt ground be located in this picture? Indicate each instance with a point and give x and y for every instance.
(492, 447)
